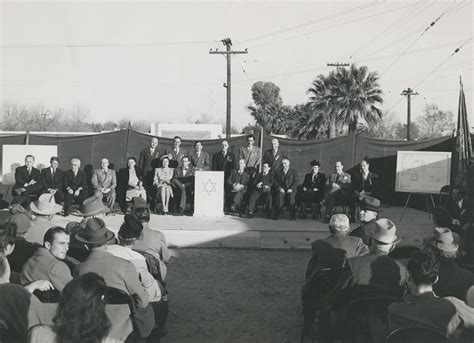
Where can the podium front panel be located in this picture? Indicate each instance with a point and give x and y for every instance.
(209, 194)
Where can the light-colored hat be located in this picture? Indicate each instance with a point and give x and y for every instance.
(444, 240)
(92, 206)
(383, 231)
(45, 205)
(95, 232)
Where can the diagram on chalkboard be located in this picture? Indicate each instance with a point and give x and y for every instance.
(422, 171)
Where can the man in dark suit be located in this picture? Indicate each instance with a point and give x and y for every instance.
(200, 159)
(251, 155)
(175, 153)
(27, 180)
(338, 188)
(148, 160)
(273, 156)
(224, 160)
(263, 186)
(75, 185)
(458, 208)
(52, 180)
(237, 185)
(183, 182)
(364, 182)
(313, 189)
(286, 183)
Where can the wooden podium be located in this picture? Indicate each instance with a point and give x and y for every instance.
(209, 194)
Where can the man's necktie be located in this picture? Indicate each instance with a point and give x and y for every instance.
(53, 173)
(29, 171)
(314, 176)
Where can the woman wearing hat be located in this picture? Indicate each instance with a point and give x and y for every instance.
(162, 181)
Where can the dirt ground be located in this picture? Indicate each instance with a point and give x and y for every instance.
(228, 295)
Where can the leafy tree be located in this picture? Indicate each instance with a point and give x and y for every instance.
(346, 96)
(434, 122)
(401, 131)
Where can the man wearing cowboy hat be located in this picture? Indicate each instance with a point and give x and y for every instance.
(369, 212)
(423, 308)
(324, 255)
(47, 262)
(116, 272)
(44, 209)
(453, 279)
(377, 269)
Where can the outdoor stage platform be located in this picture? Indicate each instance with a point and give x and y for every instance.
(261, 233)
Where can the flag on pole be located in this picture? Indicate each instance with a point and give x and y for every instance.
(463, 135)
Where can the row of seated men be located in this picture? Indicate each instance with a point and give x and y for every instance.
(132, 265)
(362, 286)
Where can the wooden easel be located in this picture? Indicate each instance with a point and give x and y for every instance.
(427, 201)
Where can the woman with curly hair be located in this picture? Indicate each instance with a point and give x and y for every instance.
(80, 317)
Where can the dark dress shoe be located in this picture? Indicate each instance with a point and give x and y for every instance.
(250, 214)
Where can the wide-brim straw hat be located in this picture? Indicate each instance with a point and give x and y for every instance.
(45, 205)
(95, 232)
(92, 206)
(384, 231)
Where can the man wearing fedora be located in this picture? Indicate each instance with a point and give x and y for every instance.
(23, 249)
(75, 185)
(423, 308)
(453, 280)
(313, 189)
(44, 209)
(377, 269)
(104, 182)
(368, 215)
(47, 262)
(118, 273)
(333, 250)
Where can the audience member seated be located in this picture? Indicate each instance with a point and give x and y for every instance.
(152, 241)
(130, 232)
(453, 280)
(23, 249)
(338, 190)
(262, 189)
(44, 209)
(273, 156)
(75, 185)
(313, 189)
(457, 206)
(15, 301)
(80, 315)
(441, 219)
(104, 182)
(237, 185)
(162, 182)
(224, 160)
(251, 155)
(468, 258)
(175, 154)
(130, 184)
(286, 184)
(368, 215)
(52, 180)
(183, 182)
(333, 250)
(377, 270)
(48, 261)
(27, 181)
(200, 159)
(7, 238)
(423, 308)
(118, 273)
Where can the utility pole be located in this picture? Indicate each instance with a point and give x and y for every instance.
(228, 43)
(337, 65)
(408, 93)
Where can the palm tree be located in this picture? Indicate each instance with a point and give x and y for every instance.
(347, 96)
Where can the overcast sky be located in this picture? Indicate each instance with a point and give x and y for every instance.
(150, 60)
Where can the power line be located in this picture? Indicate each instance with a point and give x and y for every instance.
(418, 38)
(332, 26)
(311, 22)
(106, 45)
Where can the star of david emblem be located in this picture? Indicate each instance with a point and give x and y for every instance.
(209, 187)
